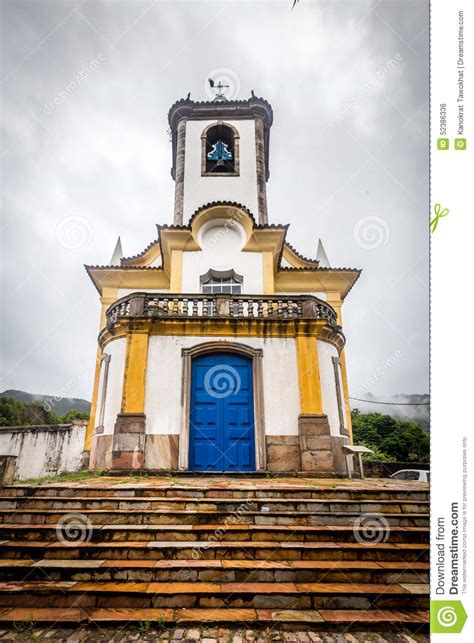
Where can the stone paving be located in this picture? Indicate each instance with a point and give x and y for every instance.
(268, 482)
(203, 635)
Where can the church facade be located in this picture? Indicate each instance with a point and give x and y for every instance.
(221, 347)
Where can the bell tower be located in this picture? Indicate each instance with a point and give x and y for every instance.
(220, 153)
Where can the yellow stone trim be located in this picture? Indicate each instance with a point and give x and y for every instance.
(230, 212)
(95, 395)
(134, 377)
(109, 296)
(333, 298)
(153, 253)
(132, 278)
(176, 271)
(268, 274)
(227, 328)
(295, 261)
(316, 281)
(308, 375)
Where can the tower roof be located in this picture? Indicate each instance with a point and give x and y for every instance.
(232, 109)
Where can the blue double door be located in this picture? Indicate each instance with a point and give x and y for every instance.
(222, 428)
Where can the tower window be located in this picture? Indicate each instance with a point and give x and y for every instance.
(220, 150)
(216, 282)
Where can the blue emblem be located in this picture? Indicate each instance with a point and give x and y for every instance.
(220, 152)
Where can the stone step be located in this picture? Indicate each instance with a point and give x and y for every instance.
(150, 517)
(214, 570)
(217, 550)
(301, 596)
(209, 533)
(230, 505)
(262, 489)
(329, 620)
(204, 550)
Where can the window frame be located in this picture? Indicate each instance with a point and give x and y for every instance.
(211, 274)
(235, 151)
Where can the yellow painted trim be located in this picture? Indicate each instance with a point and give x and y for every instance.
(316, 281)
(148, 257)
(333, 298)
(95, 395)
(230, 212)
(134, 377)
(295, 261)
(308, 375)
(268, 275)
(176, 271)
(133, 278)
(106, 302)
(223, 327)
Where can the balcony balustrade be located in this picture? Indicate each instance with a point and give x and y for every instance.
(268, 307)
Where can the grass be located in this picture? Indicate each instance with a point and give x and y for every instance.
(65, 477)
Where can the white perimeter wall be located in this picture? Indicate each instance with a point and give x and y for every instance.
(44, 451)
(328, 386)
(165, 369)
(199, 190)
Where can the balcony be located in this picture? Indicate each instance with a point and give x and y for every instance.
(268, 307)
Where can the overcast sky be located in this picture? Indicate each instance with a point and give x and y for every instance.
(86, 89)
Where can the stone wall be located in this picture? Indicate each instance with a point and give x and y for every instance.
(44, 450)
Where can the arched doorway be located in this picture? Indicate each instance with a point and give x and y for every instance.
(221, 413)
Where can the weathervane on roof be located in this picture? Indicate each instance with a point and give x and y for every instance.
(218, 89)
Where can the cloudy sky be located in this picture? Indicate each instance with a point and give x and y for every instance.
(86, 87)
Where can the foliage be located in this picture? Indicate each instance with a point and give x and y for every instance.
(10, 411)
(13, 412)
(391, 439)
(73, 415)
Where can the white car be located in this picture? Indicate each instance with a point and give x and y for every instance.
(420, 475)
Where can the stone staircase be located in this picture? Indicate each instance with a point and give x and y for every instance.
(298, 553)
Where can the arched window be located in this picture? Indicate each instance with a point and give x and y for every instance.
(220, 150)
(216, 282)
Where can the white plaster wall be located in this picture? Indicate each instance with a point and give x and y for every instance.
(113, 399)
(44, 451)
(199, 190)
(328, 385)
(222, 250)
(164, 374)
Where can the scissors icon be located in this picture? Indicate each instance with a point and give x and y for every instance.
(438, 215)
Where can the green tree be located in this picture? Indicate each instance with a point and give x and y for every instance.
(13, 412)
(73, 415)
(391, 439)
(10, 411)
(37, 413)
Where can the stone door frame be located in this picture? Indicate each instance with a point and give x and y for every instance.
(256, 355)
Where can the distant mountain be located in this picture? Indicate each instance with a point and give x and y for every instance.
(60, 406)
(404, 406)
